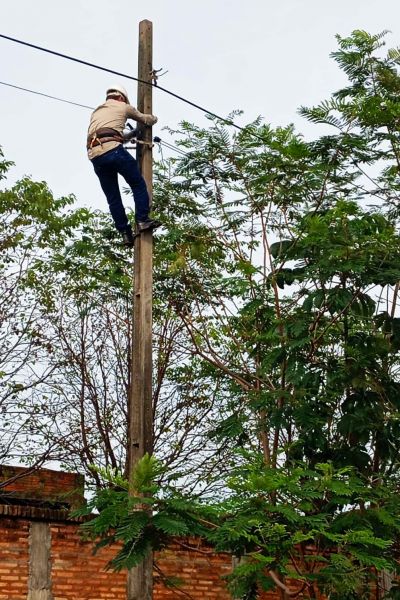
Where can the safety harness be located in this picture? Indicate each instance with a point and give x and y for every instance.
(103, 135)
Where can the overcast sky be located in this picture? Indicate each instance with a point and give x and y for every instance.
(263, 57)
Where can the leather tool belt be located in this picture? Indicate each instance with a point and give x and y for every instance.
(103, 135)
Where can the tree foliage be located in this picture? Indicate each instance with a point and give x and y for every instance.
(276, 382)
(65, 339)
(281, 262)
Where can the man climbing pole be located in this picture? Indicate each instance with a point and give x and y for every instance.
(109, 157)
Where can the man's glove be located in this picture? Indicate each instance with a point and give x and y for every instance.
(129, 133)
(150, 120)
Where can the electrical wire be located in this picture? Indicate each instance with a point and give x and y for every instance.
(160, 149)
(105, 69)
(157, 140)
(166, 144)
(17, 87)
(170, 146)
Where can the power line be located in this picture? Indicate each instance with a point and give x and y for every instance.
(17, 87)
(157, 140)
(94, 66)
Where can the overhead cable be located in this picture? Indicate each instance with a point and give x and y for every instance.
(156, 140)
(17, 87)
(99, 67)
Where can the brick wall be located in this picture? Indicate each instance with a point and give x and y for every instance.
(14, 558)
(74, 567)
(78, 575)
(199, 572)
(67, 569)
(44, 485)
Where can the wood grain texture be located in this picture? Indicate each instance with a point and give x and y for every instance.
(39, 586)
(140, 579)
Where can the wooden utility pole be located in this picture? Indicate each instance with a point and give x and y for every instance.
(140, 437)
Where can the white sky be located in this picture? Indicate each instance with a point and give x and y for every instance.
(266, 58)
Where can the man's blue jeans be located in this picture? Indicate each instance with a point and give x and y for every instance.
(107, 166)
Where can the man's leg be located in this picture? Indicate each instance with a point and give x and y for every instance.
(108, 178)
(128, 168)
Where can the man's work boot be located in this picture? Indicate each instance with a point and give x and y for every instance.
(128, 238)
(148, 224)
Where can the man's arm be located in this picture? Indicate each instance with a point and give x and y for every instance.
(134, 113)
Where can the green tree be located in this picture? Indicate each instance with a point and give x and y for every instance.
(281, 262)
(65, 338)
(31, 221)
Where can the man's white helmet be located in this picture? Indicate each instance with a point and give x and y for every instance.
(121, 90)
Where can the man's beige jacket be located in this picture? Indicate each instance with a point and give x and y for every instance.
(113, 114)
